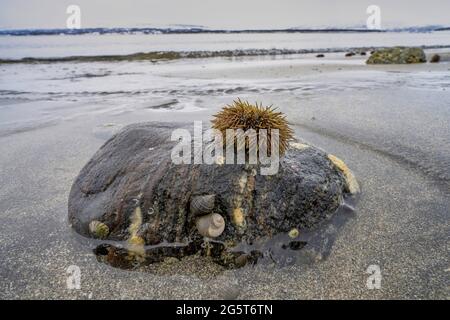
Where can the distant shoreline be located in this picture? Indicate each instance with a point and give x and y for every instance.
(85, 31)
(173, 55)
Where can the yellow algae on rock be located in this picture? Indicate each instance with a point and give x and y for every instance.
(136, 240)
(238, 217)
(136, 221)
(294, 233)
(220, 160)
(299, 146)
(352, 184)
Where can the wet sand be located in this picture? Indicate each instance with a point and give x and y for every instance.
(390, 124)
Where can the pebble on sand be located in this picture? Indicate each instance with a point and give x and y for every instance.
(435, 58)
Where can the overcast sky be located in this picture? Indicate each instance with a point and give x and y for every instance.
(232, 14)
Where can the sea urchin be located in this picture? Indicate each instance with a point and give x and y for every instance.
(243, 115)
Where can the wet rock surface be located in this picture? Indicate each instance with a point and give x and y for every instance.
(435, 58)
(145, 200)
(397, 55)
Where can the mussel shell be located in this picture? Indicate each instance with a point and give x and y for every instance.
(201, 205)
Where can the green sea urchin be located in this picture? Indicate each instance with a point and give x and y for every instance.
(243, 115)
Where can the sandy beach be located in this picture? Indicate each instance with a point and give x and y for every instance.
(390, 124)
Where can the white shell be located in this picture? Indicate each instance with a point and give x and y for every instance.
(211, 225)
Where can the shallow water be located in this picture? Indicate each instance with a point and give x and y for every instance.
(60, 46)
(298, 84)
(126, 86)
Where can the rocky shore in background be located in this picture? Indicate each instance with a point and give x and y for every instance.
(155, 56)
(397, 55)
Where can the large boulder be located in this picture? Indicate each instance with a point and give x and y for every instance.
(397, 55)
(131, 192)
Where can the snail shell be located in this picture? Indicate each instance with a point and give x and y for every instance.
(201, 205)
(98, 229)
(211, 225)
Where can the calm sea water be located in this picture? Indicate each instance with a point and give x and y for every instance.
(92, 44)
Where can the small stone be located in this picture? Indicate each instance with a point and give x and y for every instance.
(435, 58)
(171, 260)
(241, 260)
